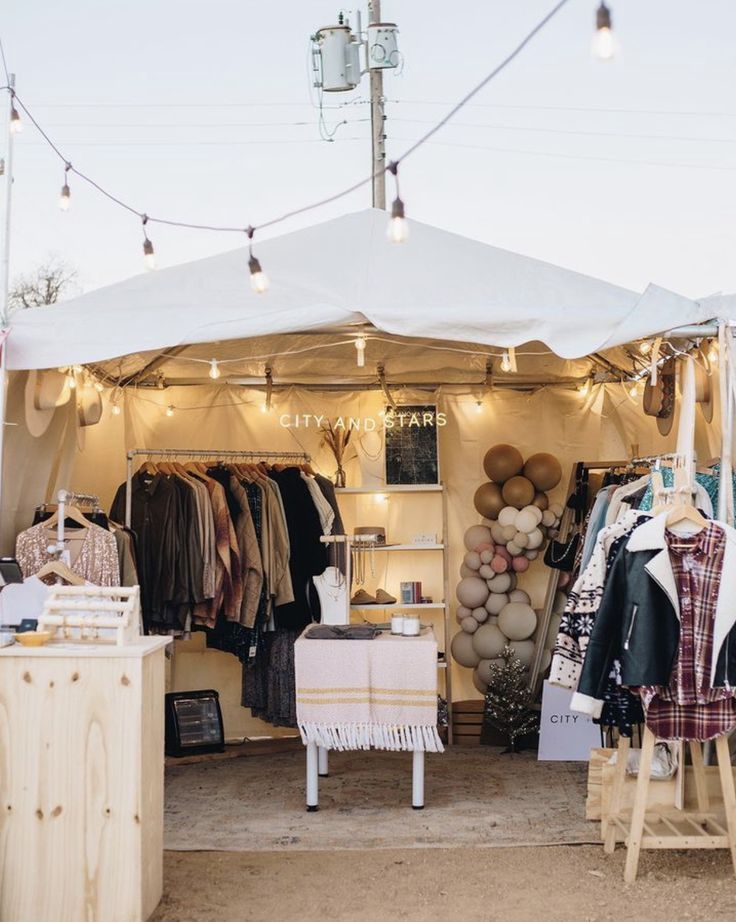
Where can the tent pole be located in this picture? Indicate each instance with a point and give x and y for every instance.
(4, 291)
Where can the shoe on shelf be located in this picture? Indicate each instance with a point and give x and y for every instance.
(362, 597)
(384, 598)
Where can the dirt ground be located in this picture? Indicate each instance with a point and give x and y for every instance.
(570, 883)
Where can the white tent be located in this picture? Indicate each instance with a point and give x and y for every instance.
(438, 285)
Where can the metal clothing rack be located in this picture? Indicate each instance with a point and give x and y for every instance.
(192, 453)
(65, 497)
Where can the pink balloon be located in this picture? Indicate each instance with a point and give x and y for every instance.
(520, 564)
(502, 552)
(499, 564)
(486, 546)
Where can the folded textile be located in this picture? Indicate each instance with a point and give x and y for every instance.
(341, 632)
(380, 694)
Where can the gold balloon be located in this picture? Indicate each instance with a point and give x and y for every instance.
(502, 462)
(488, 500)
(518, 492)
(544, 471)
(541, 501)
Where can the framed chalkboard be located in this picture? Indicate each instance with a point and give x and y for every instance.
(411, 444)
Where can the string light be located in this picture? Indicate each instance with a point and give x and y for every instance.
(713, 352)
(16, 125)
(604, 41)
(478, 406)
(258, 278)
(149, 257)
(71, 380)
(398, 228)
(505, 361)
(360, 349)
(115, 409)
(634, 389)
(269, 392)
(99, 387)
(170, 410)
(645, 347)
(214, 370)
(66, 192)
(584, 388)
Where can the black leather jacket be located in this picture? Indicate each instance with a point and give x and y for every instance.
(637, 624)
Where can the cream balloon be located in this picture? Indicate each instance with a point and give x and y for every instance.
(521, 539)
(556, 509)
(518, 621)
(488, 642)
(508, 533)
(463, 651)
(497, 531)
(531, 555)
(469, 625)
(536, 511)
(484, 667)
(545, 662)
(524, 649)
(486, 557)
(535, 539)
(475, 535)
(518, 595)
(500, 583)
(496, 602)
(526, 520)
(558, 607)
(472, 560)
(486, 572)
(467, 573)
(507, 516)
(480, 686)
(472, 592)
(514, 549)
(548, 518)
(552, 631)
(480, 614)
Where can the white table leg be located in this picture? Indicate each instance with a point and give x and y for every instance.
(312, 777)
(417, 780)
(324, 765)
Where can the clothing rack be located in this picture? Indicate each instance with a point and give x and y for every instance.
(211, 455)
(65, 497)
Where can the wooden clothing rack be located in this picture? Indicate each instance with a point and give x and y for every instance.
(659, 830)
(205, 454)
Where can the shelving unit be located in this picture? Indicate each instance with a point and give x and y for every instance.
(395, 492)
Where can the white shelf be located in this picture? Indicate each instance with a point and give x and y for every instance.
(398, 547)
(377, 605)
(395, 488)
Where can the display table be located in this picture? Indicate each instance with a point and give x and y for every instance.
(81, 781)
(367, 694)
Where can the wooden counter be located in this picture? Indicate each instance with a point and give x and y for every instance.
(81, 781)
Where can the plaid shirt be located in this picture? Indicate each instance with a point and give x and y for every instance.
(689, 708)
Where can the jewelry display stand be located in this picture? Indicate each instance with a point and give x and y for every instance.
(82, 612)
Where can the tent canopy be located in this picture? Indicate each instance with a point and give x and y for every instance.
(438, 285)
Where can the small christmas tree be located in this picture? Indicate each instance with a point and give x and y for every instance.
(507, 701)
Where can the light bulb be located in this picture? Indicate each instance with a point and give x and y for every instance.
(398, 228)
(214, 370)
(584, 388)
(65, 197)
(713, 352)
(99, 387)
(149, 257)
(258, 278)
(604, 41)
(360, 348)
(505, 362)
(71, 381)
(381, 498)
(645, 347)
(115, 409)
(264, 408)
(16, 125)
(478, 406)
(634, 389)
(170, 410)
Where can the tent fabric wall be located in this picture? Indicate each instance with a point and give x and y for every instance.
(606, 423)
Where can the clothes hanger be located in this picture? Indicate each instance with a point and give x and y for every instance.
(70, 512)
(148, 467)
(308, 469)
(60, 569)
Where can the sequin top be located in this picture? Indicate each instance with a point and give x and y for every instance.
(97, 561)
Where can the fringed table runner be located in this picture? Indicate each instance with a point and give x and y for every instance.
(363, 694)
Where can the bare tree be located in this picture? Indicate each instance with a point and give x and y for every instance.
(45, 285)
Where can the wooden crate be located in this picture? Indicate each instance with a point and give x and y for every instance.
(81, 782)
(467, 717)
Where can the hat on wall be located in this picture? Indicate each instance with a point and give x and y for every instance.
(45, 391)
(89, 406)
(659, 398)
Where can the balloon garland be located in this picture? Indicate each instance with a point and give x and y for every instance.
(519, 519)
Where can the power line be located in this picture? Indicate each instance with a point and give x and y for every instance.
(552, 108)
(415, 145)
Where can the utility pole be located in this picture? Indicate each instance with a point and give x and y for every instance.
(378, 120)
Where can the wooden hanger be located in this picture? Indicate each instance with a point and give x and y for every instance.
(686, 513)
(71, 512)
(148, 467)
(308, 469)
(60, 569)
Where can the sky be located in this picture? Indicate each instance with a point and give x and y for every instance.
(205, 113)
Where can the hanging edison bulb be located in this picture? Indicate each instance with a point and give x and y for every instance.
(604, 41)
(16, 125)
(506, 362)
(584, 388)
(214, 370)
(360, 343)
(634, 389)
(645, 347)
(170, 410)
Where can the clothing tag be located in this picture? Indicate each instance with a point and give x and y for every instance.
(252, 651)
